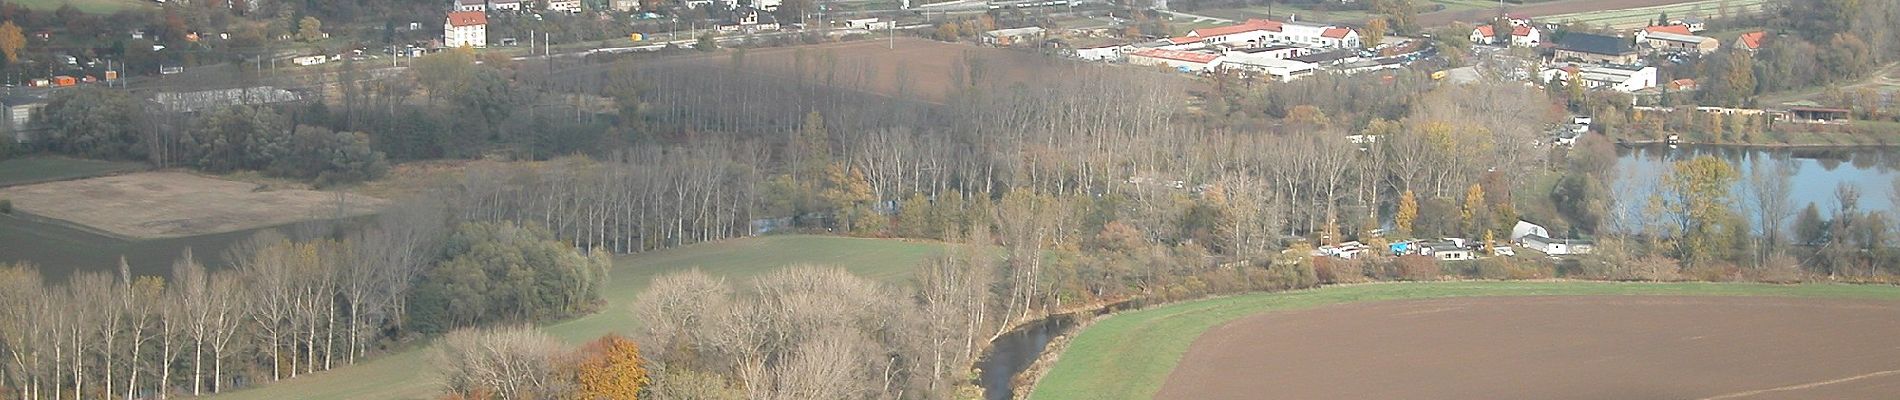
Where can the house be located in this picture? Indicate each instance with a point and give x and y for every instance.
(504, 5)
(1667, 40)
(1558, 247)
(567, 6)
(748, 19)
(20, 110)
(465, 29)
(868, 24)
(1099, 50)
(1484, 34)
(1443, 251)
(1012, 36)
(1347, 250)
(1693, 24)
(625, 5)
(1683, 85)
(767, 5)
(1526, 36)
(1626, 79)
(1595, 48)
(1262, 65)
(471, 5)
(1185, 61)
(310, 60)
(1750, 41)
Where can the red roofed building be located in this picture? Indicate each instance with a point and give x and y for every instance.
(1521, 36)
(465, 29)
(1484, 34)
(1750, 41)
(1262, 32)
(1676, 29)
(1185, 60)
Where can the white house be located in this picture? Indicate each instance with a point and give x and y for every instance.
(1448, 252)
(625, 5)
(465, 29)
(504, 5)
(1558, 247)
(1521, 36)
(471, 5)
(1484, 34)
(1183, 60)
(566, 6)
(1012, 36)
(1619, 78)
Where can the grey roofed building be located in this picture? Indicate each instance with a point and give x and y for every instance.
(206, 100)
(1595, 44)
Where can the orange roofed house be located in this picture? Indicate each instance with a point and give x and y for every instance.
(1184, 60)
(465, 29)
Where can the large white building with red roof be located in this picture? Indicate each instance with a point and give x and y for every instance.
(465, 29)
(1262, 32)
(1521, 35)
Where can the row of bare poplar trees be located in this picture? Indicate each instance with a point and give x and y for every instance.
(279, 309)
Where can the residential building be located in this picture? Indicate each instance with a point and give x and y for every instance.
(1750, 41)
(1671, 42)
(465, 29)
(504, 5)
(1012, 36)
(1626, 79)
(748, 19)
(626, 5)
(471, 5)
(1185, 61)
(1448, 252)
(1595, 48)
(1526, 36)
(566, 6)
(1693, 24)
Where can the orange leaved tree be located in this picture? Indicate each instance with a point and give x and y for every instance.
(610, 368)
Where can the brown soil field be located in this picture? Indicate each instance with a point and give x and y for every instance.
(174, 204)
(1558, 7)
(1611, 347)
(913, 67)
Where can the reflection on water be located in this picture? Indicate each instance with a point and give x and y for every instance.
(1813, 173)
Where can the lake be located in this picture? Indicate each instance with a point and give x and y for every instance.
(1815, 173)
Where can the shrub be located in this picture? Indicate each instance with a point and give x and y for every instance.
(1417, 268)
(6, 206)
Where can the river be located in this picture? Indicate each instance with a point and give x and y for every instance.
(1014, 352)
(1814, 175)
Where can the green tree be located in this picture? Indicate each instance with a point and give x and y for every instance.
(310, 29)
(706, 42)
(93, 122)
(502, 271)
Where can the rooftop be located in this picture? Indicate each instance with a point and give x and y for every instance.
(1595, 44)
(1676, 29)
(1178, 55)
(467, 18)
(1752, 40)
(1678, 38)
(1249, 26)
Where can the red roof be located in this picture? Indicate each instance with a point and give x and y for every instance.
(1521, 31)
(467, 18)
(1183, 40)
(1249, 26)
(1336, 33)
(1178, 55)
(1684, 83)
(1752, 40)
(1676, 29)
(1486, 31)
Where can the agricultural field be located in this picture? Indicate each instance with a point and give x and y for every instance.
(38, 169)
(1632, 18)
(1136, 354)
(155, 205)
(90, 6)
(60, 249)
(1554, 11)
(913, 67)
(408, 374)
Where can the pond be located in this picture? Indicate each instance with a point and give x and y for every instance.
(1813, 174)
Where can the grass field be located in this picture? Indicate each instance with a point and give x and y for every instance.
(1639, 17)
(408, 375)
(60, 249)
(1130, 355)
(52, 168)
(90, 6)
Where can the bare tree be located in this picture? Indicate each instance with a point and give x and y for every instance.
(264, 262)
(517, 362)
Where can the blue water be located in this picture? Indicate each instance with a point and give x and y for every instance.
(1815, 174)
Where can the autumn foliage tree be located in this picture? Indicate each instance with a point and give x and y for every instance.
(610, 368)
